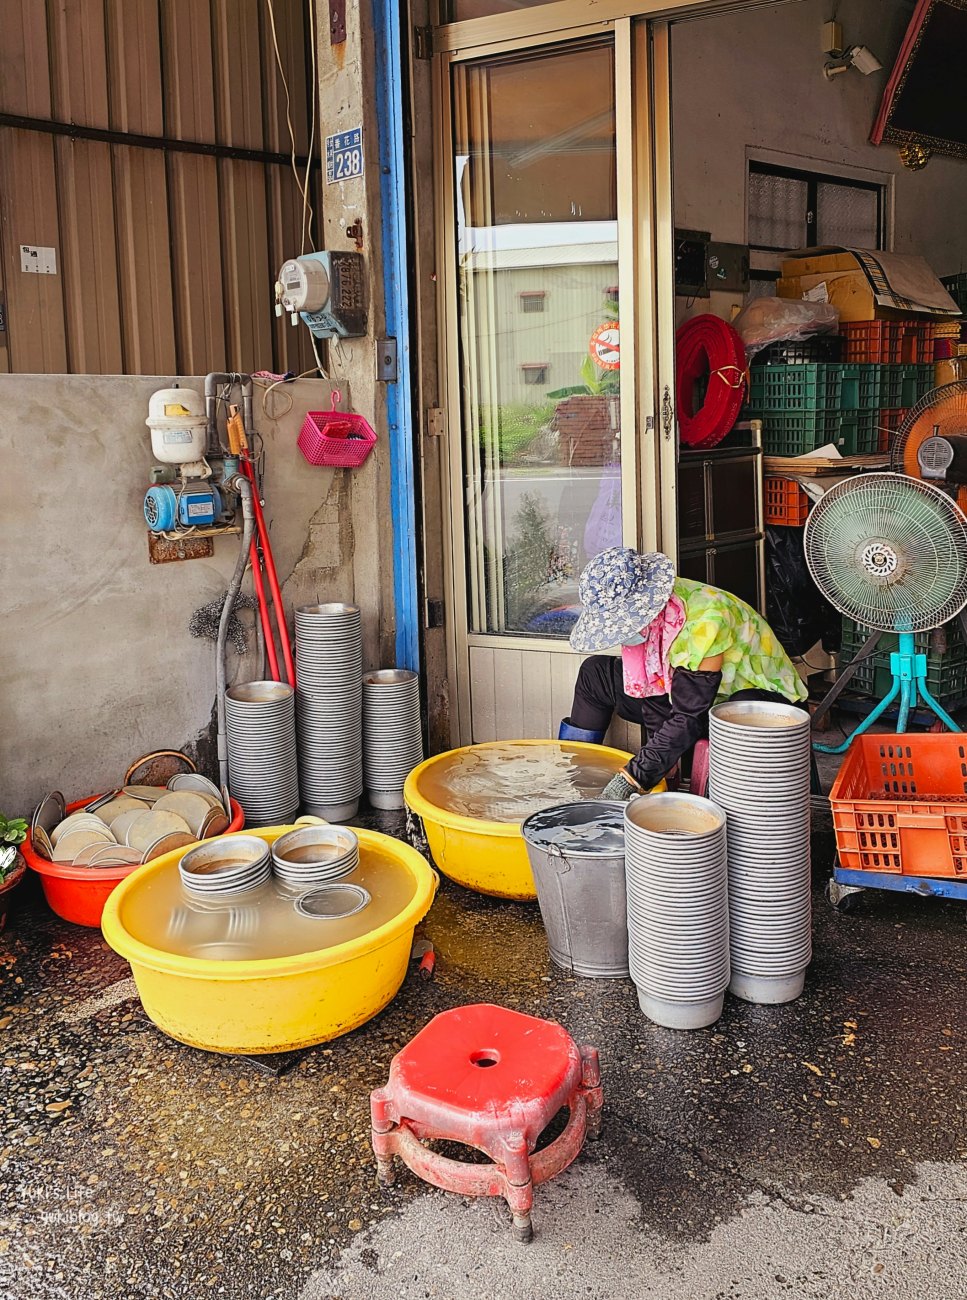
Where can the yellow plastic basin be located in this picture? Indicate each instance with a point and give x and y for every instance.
(489, 857)
(279, 1003)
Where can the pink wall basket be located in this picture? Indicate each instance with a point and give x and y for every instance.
(337, 438)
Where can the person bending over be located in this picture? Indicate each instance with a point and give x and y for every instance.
(685, 647)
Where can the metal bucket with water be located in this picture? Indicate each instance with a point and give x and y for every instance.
(576, 853)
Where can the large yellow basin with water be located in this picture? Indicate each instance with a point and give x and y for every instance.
(489, 857)
(279, 1003)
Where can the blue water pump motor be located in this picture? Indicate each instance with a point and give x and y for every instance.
(188, 505)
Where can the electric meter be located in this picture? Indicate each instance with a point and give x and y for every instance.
(326, 290)
(305, 285)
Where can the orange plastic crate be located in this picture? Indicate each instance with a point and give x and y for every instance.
(899, 805)
(888, 424)
(786, 502)
(888, 341)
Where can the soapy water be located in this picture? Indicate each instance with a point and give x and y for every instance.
(508, 782)
(263, 922)
(601, 835)
(600, 840)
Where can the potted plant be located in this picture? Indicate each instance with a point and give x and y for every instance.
(586, 417)
(13, 865)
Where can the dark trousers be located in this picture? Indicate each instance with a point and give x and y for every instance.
(599, 693)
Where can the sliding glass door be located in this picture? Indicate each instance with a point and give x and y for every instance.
(547, 179)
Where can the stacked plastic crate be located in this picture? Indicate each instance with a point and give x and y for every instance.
(946, 652)
(807, 405)
(956, 286)
(903, 350)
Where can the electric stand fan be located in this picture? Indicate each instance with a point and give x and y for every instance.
(931, 443)
(889, 552)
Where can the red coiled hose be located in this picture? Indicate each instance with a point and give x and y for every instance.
(708, 345)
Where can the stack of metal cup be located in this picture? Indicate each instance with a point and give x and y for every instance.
(759, 772)
(392, 733)
(315, 855)
(329, 669)
(262, 768)
(231, 864)
(678, 918)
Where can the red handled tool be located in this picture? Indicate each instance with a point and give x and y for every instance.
(261, 556)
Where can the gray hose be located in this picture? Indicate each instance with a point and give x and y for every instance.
(244, 488)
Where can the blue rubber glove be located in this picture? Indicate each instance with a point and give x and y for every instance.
(620, 787)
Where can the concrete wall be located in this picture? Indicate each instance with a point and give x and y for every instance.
(347, 99)
(98, 666)
(754, 80)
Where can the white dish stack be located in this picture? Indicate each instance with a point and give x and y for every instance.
(678, 912)
(260, 727)
(759, 770)
(392, 733)
(329, 670)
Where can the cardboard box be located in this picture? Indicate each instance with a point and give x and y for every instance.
(848, 291)
(821, 264)
(866, 285)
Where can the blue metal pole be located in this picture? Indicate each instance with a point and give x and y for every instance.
(399, 406)
(865, 725)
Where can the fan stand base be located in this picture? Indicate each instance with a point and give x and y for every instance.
(909, 671)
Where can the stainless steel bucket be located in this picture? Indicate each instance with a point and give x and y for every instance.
(580, 878)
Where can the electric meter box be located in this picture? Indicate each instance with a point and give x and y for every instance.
(326, 290)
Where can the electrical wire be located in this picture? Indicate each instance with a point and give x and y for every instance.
(267, 388)
(315, 352)
(199, 530)
(314, 90)
(303, 189)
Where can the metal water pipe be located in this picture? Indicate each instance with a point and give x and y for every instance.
(214, 381)
(244, 489)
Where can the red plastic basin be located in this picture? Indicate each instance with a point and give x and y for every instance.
(78, 894)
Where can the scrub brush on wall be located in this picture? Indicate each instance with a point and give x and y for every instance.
(204, 621)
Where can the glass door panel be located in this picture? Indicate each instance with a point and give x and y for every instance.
(537, 251)
(457, 11)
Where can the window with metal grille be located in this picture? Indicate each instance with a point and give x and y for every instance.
(789, 208)
(532, 299)
(534, 372)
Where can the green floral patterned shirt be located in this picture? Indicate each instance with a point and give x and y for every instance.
(717, 623)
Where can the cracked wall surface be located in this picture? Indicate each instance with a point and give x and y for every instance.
(98, 665)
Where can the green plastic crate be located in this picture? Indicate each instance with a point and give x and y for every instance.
(808, 386)
(861, 386)
(786, 433)
(819, 386)
(863, 681)
(946, 668)
(903, 386)
(859, 433)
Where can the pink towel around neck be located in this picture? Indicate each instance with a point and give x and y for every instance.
(646, 668)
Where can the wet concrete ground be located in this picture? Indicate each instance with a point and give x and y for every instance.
(812, 1150)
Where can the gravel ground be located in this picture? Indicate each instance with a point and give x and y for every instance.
(814, 1150)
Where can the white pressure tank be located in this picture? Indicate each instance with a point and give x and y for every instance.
(176, 418)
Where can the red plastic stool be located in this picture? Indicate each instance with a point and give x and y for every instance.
(492, 1079)
(698, 782)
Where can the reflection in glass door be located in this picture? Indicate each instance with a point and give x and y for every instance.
(537, 251)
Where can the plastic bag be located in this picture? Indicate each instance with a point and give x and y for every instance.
(772, 320)
(603, 529)
(797, 611)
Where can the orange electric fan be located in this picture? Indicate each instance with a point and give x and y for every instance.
(931, 443)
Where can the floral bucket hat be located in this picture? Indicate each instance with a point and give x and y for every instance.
(621, 592)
